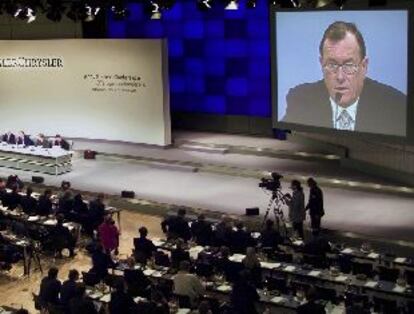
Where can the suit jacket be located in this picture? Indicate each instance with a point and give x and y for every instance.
(381, 108)
(26, 141)
(11, 138)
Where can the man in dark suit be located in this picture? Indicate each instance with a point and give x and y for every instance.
(315, 205)
(23, 139)
(68, 290)
(177, 226)
(143, 247)
(44, 206)
(346, 99)
(50, 288)
(9, 138)
(28, 202)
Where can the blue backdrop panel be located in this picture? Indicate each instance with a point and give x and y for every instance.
(219, 60)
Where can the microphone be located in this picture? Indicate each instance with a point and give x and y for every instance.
(338, 97)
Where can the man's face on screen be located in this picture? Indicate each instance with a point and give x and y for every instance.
(343, 69)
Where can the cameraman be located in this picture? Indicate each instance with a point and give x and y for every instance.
(296, 203)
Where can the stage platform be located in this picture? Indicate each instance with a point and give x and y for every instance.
(228, 182)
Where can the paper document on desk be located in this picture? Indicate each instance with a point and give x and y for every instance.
(399, 289)
(347, 251)
(158, 242)
(373, 255)
(268, 265)
(148, 272)
(183, 311)
(290, 268)
(33, 218)
(106, 298)
(224, 288)
(400, 260)
(371, 284)
(140, 299)
(341, 278)
(237, 257)
(50, 222)
(278, 300)
(315, 273)
(69, 226)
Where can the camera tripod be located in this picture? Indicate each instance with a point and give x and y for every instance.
(275, 204)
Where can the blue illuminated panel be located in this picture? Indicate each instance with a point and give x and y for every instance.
(219, 60)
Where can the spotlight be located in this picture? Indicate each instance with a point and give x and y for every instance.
(91, 12)
(204, 5)
(25, 13)
(155, 12)
(251, 4)
(232, 5)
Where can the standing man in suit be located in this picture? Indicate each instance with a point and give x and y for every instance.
(346, 99)
(315, 205)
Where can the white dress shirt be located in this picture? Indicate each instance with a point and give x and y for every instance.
(337, 110)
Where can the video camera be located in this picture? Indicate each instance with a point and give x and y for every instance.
(271, 184)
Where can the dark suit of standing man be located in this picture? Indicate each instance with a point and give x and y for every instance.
(346, 99)
(315, 205)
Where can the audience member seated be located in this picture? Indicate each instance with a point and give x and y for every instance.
(121, 302)
(63, 238)
(50, 289)
(109, 235)
(143, 248)
(318, 245)
(240, 239)
(68, 290)
(80, 213)
(28, 202)
(251, 262)
(176, 226)
(311, 307)
(41, 140)
(59, 141)
(158, 303)
(9, 138)
(14, 180)
(96, 212)
(44, 205)
(244, 295)
(222, 232)
(65, 204)
(225, 266)
(204, 308)
(188, 285)
(101, 262)
(13, 198)
(3, 192)
(270, 237)
(201, 231)
(179, 254)
(80, 303)
(138, 284)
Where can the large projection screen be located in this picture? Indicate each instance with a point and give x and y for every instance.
(86, 88)
(343, 71)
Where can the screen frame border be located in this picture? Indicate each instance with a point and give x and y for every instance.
(408, 138)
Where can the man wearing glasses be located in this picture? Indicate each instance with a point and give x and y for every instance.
(346, 99)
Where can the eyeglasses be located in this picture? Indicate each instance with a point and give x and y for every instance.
(348, 68)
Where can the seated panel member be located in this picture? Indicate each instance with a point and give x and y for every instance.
(346, 98)
(23, 139)
(60, 141)
(9, 138)
(41, 140)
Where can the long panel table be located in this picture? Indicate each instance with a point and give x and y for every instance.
(53, 160)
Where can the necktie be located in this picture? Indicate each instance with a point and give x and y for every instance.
(344, 121)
